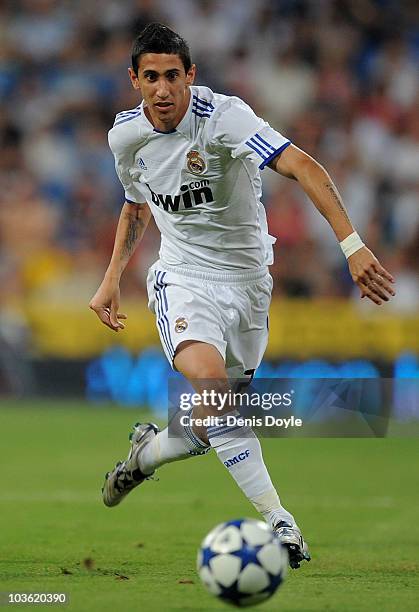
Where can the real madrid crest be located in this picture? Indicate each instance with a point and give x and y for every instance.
(181, 325)
(196, 163)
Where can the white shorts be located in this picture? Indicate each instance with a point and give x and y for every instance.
(228, 311)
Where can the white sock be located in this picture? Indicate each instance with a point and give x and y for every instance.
(174, 443)
(239, 450)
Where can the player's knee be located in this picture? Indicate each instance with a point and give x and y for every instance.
(203, 376)
(212, 377)
(199, 361)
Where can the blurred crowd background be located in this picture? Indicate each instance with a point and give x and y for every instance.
(338, 77)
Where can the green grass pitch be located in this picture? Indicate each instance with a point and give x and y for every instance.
(356, 500)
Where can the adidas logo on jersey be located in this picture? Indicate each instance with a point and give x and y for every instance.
(193, 194)
(142, 164)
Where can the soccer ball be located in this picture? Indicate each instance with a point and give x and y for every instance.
(242, 562)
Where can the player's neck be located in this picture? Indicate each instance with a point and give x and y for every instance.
(171, 123)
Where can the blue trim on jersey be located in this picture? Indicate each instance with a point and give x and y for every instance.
(202, 108)
(203, 102)
(193, 438)
(162, 308)
(160, 313)
(159, 321)
(131, 202)
(265, 142)
(201, 114)
(274, 154)
(254, 147)
(161, 131)
(163, 320)
(127, 119)
(188, 431)
(167, 308)
(163, 330)
(195, 107)
(125, 115)
(223, 433)
(129, 112)
(263, 150)
(164, 291)
(216, 429)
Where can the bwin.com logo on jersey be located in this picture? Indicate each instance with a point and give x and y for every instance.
(191, 194)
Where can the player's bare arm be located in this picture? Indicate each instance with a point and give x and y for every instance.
(371, 277)
(132, 224)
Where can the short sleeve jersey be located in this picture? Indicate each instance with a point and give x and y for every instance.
(201, 180)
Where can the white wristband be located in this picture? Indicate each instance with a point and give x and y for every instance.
(351, 244)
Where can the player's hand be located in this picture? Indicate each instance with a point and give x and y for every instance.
(105, 303)
(374, 281)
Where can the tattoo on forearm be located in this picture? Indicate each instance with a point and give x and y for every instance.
(134, 230)
(336, 197)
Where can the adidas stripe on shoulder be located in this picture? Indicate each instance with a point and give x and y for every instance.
(127, 115)
(202, 108)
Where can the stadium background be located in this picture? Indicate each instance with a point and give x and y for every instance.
(339, 79)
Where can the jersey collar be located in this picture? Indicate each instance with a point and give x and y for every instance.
(183, 127)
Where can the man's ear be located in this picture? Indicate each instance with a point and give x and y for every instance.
(190, 75)
(133, 78)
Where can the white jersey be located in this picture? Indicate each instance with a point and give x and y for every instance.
(201, 180)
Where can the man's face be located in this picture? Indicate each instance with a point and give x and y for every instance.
(164, 87)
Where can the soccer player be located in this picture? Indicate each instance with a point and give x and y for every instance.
(192, 159)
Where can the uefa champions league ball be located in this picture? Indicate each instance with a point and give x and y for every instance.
(242, 562)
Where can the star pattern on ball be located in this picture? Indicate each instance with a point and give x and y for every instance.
(246, 584)
(236, 523)
(207, 555)
(231, 594)
(248, 554)
(274, 582)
